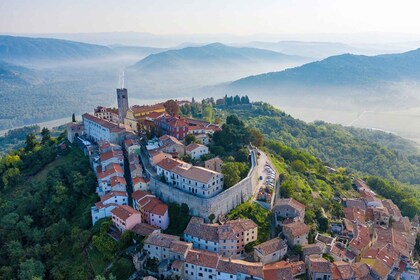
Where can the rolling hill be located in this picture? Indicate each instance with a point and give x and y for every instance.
(212, 55)
(342, 70)
(33, 50)
(319, 50)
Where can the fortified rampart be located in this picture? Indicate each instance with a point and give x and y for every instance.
(222, 203)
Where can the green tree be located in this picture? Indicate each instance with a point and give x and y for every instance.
(212, 217)
(45, 135)
(231, 174)
(30, 269)
(190, 138)
(208, 114)
(30, 142)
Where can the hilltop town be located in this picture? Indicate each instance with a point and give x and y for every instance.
(155, 167)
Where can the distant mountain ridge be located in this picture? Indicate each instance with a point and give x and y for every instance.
(26, 50)
(319, 50)
(346, 69)
(215, 54)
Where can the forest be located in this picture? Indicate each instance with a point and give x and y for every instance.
(45, 198)
(389, 162)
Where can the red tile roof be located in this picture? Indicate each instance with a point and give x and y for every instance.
(296, 229)
(113, 127)
(191, 147)
(118, 180)
(109, 170)
(112, 194)
(202, 258)
(137, 180)
(235, 266)
(124, 212)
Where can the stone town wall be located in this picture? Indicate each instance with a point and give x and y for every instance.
(222, 203)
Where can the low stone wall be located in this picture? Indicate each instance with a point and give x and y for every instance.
(222, 203)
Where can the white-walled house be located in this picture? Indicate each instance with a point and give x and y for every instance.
(228, 269)
(97, 129)
(196, 150)
(296, 233)
(103, 208)
(140, 183)
(270, 251)
(112, 157)
(199, 181)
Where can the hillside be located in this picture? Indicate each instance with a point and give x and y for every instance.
(30, 50)
(212, 55)
(342, 70)
(358, 150)
(318, 50)
(15, 76)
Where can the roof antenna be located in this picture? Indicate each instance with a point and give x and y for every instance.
(121, 78)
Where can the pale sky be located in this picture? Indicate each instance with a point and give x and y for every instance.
(241, 17)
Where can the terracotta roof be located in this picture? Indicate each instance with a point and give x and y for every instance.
(362, 271)
(177, 264)
(271, 246)
(202, 258)
(191, 147)
(109, 170)
(113, 127)
(311, 249)
(144, 229)
(355, 203)
(111, 154)
(155, 206)
(199, 174)
(167, 140)
(215, 160)
(298, 267)
(361, 239)
(197, 228)
(136, 180)
(150, 203)
(380, 268)
(342, 270)
(176, 122)
(180, 247)
(118, 180)
(100, 205)
(320, 265)
(147, 108)
(155, 115)
(124, 212)
(324, 239)
(112, 194)
(291, 202)
(281, 270)
(169, 163)
(296, 229)
(354, 214)
(235, 266)
(137, 195)
(130, 142)
(342, 253)
(161, 239)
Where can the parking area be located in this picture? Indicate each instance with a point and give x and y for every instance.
(267, 183)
